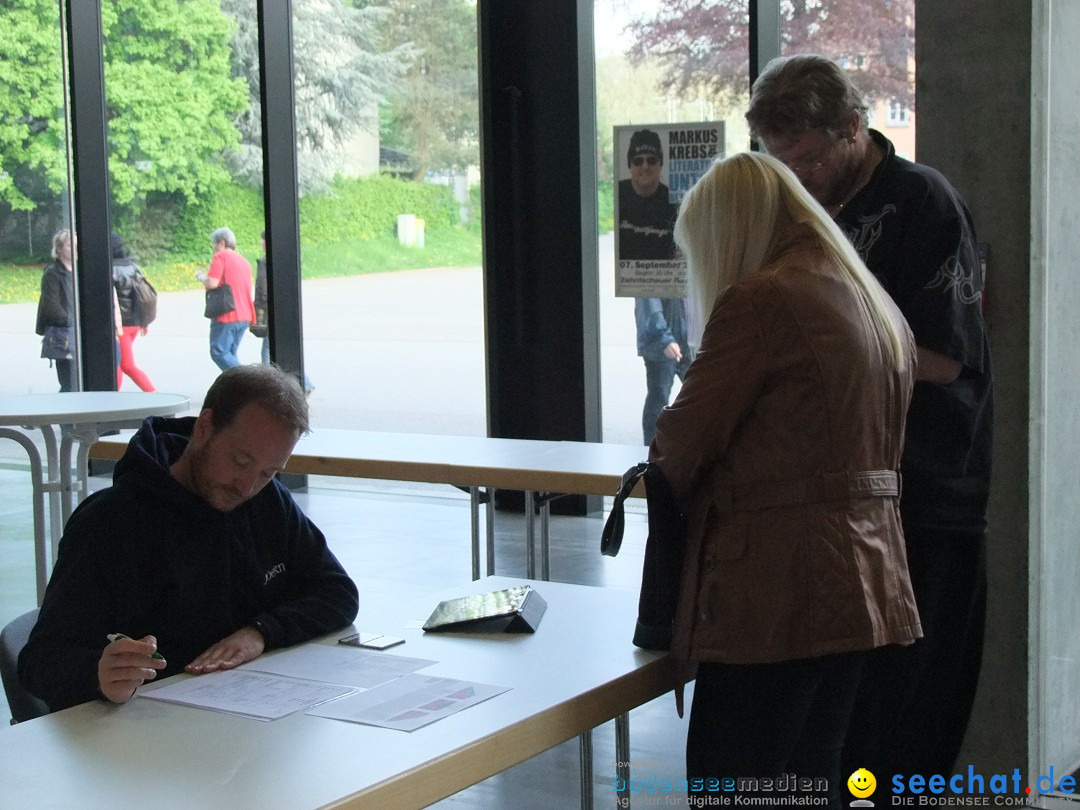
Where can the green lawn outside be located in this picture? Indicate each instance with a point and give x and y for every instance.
(444, 247)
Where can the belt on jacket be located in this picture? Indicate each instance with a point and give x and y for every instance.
(814, 489)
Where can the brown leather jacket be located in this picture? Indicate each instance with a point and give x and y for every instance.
(784, 445)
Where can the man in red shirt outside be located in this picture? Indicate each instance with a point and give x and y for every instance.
(229, 267)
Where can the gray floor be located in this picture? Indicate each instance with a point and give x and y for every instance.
(396, 538)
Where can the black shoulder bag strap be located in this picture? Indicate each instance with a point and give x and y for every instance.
(665, 551)
(611, 538)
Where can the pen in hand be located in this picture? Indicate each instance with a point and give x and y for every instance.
(115, 636)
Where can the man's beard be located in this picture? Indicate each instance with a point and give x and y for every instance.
(203, 486)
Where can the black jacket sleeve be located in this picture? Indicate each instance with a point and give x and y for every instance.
(59, 662)
(320, 596)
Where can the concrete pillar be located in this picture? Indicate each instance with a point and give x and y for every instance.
(997, 113)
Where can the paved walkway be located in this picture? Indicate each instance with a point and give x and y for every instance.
(398, 351)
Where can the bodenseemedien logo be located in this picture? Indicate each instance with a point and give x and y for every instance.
(862, 785)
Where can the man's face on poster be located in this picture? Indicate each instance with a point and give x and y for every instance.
(645, 172)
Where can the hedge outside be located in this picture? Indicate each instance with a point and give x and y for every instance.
(355, 208)
(367, 207)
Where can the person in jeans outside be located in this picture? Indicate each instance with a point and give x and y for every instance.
(229, 267)
(646, 227)
(662, 341)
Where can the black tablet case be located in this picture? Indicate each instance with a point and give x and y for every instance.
(511, 610)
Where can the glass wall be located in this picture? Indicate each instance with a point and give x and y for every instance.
(648, 77)
(34, 198)
(388, 153)
(181, 94)
(387, 122)
(875, 41)
(179, 114)
(664, 63)
(387, 133)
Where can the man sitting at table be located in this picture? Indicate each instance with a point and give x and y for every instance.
(190, 552)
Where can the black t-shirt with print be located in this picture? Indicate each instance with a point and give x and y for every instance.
(646, 224)
(916, 235)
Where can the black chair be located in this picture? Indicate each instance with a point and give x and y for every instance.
(23, 705)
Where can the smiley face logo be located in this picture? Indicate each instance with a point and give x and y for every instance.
(861, 783)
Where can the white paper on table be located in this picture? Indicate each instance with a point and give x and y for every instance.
(251, 694)
(338, 664)
(409, 702)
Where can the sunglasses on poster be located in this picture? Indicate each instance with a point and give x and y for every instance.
(645, 160)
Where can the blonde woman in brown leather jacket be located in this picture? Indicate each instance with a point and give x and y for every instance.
(784, 447)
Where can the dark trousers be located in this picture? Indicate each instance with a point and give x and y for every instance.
(65, 375)
(772, 720)
(914, 702)
(659, 377)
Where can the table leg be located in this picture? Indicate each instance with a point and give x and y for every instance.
(474, 516)
(622, 757)
(41, 544)
(76, 486)
(545, 550)
(82, 467)
(53, 486)
(530, 536)
(65, 477)
(586, 771)
(489, 512)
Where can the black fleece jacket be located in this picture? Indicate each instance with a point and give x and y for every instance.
(146, 556)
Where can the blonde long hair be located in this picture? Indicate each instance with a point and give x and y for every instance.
(733, 220)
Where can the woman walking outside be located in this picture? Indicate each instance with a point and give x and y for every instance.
(56, 310)
(125, 274)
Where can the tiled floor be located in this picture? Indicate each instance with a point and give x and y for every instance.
(392, 538)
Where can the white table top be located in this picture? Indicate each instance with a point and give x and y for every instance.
(82, 407)
(578, 671)
(582, 468)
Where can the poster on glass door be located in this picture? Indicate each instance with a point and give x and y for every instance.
(656, 164)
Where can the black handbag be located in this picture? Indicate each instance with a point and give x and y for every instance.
(219, 301)
(665, 550)
(58, 343)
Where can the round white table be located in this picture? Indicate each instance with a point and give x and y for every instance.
(82, 417)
